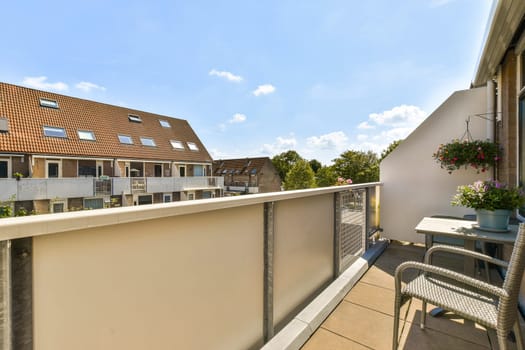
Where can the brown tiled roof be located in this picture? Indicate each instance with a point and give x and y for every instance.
(21, 106)
(239, 166)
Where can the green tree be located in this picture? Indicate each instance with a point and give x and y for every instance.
(300, 176)
(325, 176)
(315, 165)
(357, 165)
(389, 149)
(283, 162)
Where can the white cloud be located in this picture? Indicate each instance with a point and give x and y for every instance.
(227, 75)
(399, 116)
(280, 145)
(362, 137)
(335, 140)
(87, 86)
(365, 125)
(42, 84)
(237, 118)
(264, 90)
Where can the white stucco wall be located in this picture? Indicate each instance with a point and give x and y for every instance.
(414, 185)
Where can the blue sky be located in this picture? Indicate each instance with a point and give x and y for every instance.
(254, 78)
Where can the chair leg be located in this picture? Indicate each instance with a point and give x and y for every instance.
(484, 251)
(517, 333)
(423, 315)
(397, 307)
(502, 341)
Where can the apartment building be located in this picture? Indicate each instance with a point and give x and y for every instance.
(60, 153)
(248, 175)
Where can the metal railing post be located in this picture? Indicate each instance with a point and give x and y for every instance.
(268, 327)
(337, 234)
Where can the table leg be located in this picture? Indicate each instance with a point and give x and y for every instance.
(469, 263)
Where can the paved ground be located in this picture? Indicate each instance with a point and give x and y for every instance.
(364, 319)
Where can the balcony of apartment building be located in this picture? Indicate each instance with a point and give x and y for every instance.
(26, 189)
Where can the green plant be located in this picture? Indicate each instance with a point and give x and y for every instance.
(18, 175)
(489, 195)
(478, 154)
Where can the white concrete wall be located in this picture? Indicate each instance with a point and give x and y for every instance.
(414, 185)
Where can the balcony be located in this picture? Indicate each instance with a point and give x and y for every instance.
(225, 273)
(71, 187)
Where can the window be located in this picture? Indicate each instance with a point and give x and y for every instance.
(192, 146)
(522, 69)
(53, 169)
(148, 141)
(182, 171)
(54, 132)
(147, 199)
(134, 118)
(158, 170)
(165, 123)
(4, 166)
(198, 170)
(521, 148)
(58, 207)
(176, 144)
(125, 139)
(93, 203)
(166, 198)
(87, 168)
(86, 135)
(44, 102)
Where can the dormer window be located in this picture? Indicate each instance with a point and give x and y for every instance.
(134, 118)
(86, 135)
(125, 139)
(192, 146)
(165, 123)
(176, 144)
(147, 141)
(44, 102)
(51, 131)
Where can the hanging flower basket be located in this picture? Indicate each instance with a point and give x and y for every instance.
(480, 155)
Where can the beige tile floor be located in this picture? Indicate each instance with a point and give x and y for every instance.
(364, 319)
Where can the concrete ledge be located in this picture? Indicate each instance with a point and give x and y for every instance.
(301, 328)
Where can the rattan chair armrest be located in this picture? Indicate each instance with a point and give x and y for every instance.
(464, 252)
(481, 285)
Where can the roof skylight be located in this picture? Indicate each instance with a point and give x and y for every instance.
(177, 144)
(54, 132)
(192, 146)
(147, 141)
(134, 118)
(165, 123)
(125, 139)
(86, 135)
(44, 102)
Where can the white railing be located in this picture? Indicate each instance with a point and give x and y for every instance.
(74, 187)
(224, 273)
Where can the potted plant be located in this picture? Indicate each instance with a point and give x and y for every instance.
(478, 154)
(18, 176)
(493, 202)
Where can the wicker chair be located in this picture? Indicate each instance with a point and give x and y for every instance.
(472, 299)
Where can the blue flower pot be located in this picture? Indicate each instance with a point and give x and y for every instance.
(493, 219)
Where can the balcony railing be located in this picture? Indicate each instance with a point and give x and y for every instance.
(74, 187)
(224, 273)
